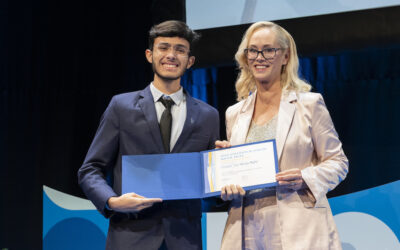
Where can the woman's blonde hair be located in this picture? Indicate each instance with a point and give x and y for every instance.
(290, 79)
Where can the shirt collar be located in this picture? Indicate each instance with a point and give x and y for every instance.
(177, 97)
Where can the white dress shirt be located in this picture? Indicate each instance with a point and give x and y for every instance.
(178, 111)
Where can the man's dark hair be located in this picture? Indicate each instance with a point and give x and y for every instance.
(172, 29)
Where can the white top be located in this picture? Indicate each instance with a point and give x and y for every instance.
(178, 111)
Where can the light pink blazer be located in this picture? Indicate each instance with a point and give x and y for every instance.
(305, 139)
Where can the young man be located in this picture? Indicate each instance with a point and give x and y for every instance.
(140, 123)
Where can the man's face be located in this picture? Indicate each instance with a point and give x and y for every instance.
(170, 57)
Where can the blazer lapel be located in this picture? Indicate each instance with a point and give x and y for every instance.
(240, 129)
(191, 116)
(286, 113)
(146, 104)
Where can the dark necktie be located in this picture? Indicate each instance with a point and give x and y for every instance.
(166, 121)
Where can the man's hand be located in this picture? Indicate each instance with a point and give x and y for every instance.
(291, 178)
(231, 192)
(131, 202)
(222, 144)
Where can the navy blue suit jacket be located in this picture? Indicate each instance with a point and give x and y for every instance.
(129, 126)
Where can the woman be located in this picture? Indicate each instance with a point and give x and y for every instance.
(274, 103)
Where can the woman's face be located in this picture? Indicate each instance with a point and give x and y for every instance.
(266, 69)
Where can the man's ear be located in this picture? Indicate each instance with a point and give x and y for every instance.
(190, 62)
(149, 55)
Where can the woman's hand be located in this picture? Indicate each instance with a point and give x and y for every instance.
(222, 144)
(291, 178)
(231, 192)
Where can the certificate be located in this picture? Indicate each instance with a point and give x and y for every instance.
(200, 175)
(249, 165)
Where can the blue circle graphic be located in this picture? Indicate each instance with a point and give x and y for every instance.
(74, 233)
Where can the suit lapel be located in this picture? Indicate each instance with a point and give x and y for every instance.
(286, 113)
(240, 129)
(146, 104)
(191, 116)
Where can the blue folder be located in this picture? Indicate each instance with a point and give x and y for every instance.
(171, 176)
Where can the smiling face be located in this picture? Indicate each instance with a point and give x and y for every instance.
(266, 71)
(169, 58)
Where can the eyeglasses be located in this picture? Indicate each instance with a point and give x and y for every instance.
(267, 53)
(165, 48)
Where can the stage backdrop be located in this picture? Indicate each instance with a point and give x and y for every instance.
(360, 89)
(62, 61)
(366, 220)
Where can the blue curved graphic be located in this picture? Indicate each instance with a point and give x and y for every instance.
(72, 229)
(382, 202)
(364, 232)
(378, 207)
(74, 233)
